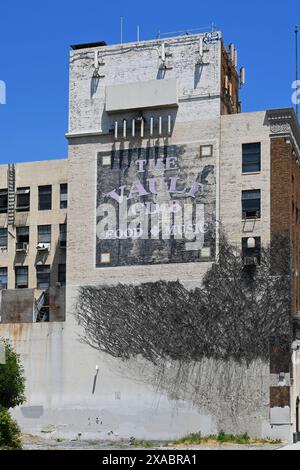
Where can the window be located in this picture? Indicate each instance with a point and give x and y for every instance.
(3, 238)
(43, 276)
(45, 198)
(63, 196)
(62, 274)
(3, 201)
(23, 200)
(251, 249)
(206, 151)
(63, 235)
(21, 277)
(3, 278)
(44, 234)
(22, 238)
(251, 158)
(251, 204)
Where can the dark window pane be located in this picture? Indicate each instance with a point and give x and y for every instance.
(45, 198)
(3, 201)
(22, 234)
(63, 235)
(62, 274)
(23, 200)
(3, 238)
(251, 158)
(44, 234)
(251, 205)
(63, 196)
(43, 276)
(21, 277)
(3, 278)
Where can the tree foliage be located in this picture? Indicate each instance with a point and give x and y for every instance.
(12, 381)
(9, 432)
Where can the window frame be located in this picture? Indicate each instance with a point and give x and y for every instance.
(4, 237)
(249, 153)
(4, 196)
(252, 210)
(23, 193)
(252, 252)
(45, 274)
(63, 196)
(63, 235)
(47, 196)
(5, 275)
(62, 274)
(39, 234)
(26, 270)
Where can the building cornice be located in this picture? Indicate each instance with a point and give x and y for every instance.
(284, 123)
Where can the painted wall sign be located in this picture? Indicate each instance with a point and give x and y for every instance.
(155, 205)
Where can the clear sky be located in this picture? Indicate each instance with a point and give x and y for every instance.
(34, 47)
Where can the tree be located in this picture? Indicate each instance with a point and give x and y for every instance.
(9, 432)
(12, 381)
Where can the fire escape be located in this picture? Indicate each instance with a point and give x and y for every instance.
(11, 184)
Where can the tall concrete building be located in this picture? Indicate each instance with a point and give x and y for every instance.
(160, 159)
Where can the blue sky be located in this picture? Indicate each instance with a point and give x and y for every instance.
(34, 46)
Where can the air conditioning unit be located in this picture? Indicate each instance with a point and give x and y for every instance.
(43, 247)
(22, 247)
(251, 261)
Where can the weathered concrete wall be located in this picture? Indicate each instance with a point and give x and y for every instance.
(133, 398)
(198, 86)
(16, 306)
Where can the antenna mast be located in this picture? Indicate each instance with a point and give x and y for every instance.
(121, 28)
(296, 64)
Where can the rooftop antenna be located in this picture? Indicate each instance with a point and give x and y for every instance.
(138, 33)
(121, 27)
(296, 63)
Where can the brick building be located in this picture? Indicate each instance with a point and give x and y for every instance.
(157, 142)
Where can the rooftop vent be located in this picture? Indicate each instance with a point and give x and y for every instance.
(88, 45)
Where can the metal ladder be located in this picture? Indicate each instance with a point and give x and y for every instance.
(11, 184)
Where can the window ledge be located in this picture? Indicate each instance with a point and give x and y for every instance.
(251, 220)
(252, 173)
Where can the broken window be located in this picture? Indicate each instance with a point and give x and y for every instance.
(63, 235)
(45, 198)
(23, 200)
(63, 196)
(3, 239)
(3, 201)
(43, 276)
(251, 204)
(22, 238)
(3, 278)
(62, 274)
(21, 273)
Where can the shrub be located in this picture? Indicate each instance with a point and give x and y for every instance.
(9, 432)
(12, 381)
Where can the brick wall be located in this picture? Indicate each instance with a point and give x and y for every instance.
(285, 203)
